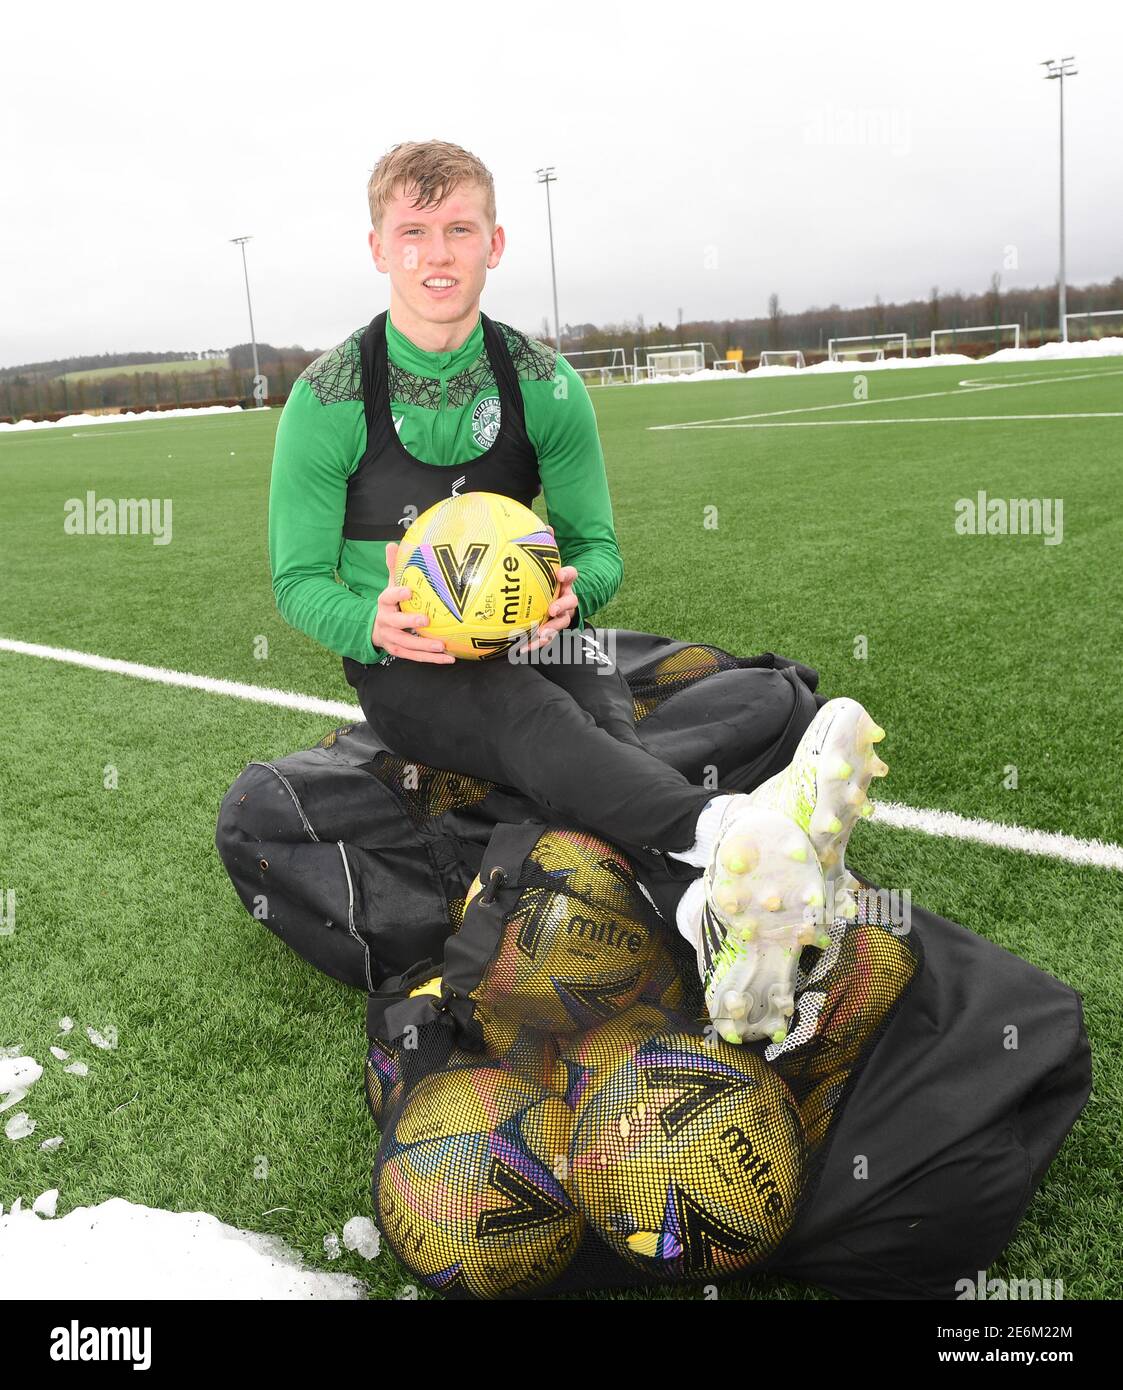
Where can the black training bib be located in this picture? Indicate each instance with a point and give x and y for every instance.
(390, 488)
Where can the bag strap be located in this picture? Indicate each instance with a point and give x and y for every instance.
(393, 1009)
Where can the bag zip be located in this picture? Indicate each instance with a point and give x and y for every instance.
(346, 866)
(295, 799)
(351, 916)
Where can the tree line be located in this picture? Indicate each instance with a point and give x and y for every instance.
(40, 389)
(221, 382)
(1035, 309)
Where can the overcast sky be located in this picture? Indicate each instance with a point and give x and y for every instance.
(707, 154)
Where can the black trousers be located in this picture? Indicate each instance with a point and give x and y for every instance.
(562, 733)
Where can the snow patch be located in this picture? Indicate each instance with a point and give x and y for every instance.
(1051, 352)
(17, 1076)
(19, 1126)
(120, 1250)
(69, 421)
(1048, 352)
(361, 1235)
(942, 359)
(18, 1071)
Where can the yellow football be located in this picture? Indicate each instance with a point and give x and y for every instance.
(485, 570)
(470, 1187)
(688, 1158)
(579, 945)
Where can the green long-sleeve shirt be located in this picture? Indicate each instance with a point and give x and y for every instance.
(328, 587)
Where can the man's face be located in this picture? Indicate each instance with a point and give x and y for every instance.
(438, 258)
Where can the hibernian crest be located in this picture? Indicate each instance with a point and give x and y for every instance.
(485, 422)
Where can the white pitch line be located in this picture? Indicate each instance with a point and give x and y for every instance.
(257, 694)
(116, 434)
(892, 400)
(1048, 843)
(900, 420)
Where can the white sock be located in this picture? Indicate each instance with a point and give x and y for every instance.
(705, 832)
(688, 914)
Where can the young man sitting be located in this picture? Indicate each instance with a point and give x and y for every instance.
(433, 399)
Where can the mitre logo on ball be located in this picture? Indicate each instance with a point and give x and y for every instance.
(578, 946)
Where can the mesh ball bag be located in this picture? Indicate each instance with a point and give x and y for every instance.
(556, 1113)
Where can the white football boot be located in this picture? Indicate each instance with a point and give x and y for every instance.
(763, 902)
(824, 789)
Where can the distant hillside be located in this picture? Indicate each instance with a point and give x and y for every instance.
(27, 372)
(109, 364)
(50, 390)
(186, 365)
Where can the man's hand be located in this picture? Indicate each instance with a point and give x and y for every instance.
(391, 629)
(562, 608)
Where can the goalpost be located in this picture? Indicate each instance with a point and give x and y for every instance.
(671, 359)
(680, 359)
(956, 333)
(872, 342)
(785, 357)
(1116, 314)
(600, 366)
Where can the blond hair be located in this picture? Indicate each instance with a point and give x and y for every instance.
(431, 170)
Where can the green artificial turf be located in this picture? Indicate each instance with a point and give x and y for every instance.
(983, 652)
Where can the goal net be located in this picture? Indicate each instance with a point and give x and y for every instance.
(600, 366)
(866, 354)
(676, 362)
(781, 357)
(1099, 323)
(996, 333)
(872, 348)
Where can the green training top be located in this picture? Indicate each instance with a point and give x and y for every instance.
(328, 587)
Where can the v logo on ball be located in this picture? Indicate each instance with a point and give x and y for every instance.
(459, 575)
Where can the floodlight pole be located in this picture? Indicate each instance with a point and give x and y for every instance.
(1058, 72)
(547, 176)
(241, 241)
